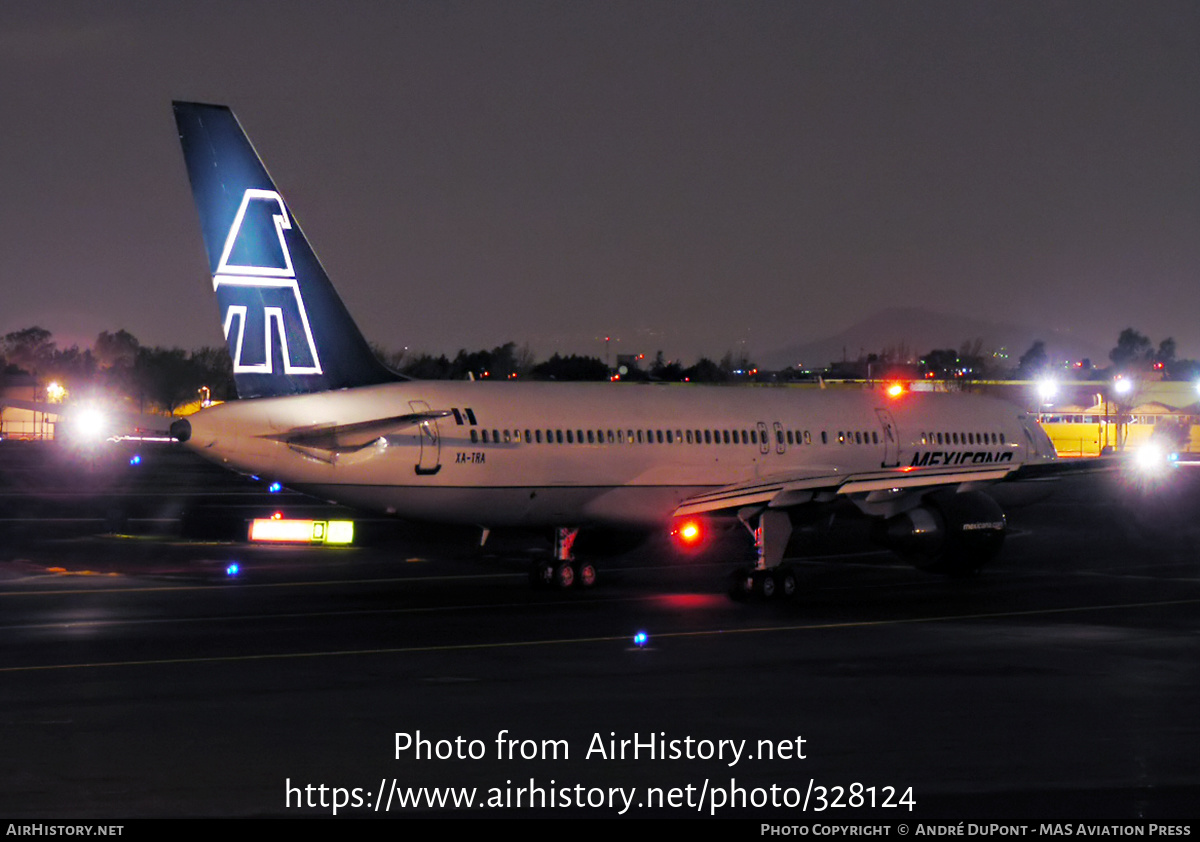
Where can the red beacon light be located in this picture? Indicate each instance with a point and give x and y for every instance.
(894, 390)
(689, 534)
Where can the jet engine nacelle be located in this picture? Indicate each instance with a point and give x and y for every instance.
(953, 533)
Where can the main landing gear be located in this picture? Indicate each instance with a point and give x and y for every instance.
(769, 577)
(565, 571)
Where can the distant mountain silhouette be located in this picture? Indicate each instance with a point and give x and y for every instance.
(920, 331)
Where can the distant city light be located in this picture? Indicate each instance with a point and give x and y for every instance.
(1153, 460)
(90, 424)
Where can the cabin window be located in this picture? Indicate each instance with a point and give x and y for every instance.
(558, 436)
(474, 437)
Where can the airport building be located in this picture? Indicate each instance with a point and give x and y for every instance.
(17, 420)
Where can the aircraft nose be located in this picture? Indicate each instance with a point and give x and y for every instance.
(181, 429)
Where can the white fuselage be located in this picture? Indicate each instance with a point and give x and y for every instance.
(549, 454)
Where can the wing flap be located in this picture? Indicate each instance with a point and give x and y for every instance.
(783, 491)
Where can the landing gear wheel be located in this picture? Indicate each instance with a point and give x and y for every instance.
(764, 584)
(564, 576)
(585, 574)
(741, 584)
(785, 578)
(541, 574)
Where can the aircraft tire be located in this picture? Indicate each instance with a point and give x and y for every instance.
(541, 574)
(741, 584)
(765, 584)
(585, 574)
(785, 578)
(564, 576)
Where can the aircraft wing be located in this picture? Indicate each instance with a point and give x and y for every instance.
(793, 489)
(350, 437)
(1070, 467)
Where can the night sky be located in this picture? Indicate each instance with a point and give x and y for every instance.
(693, 177)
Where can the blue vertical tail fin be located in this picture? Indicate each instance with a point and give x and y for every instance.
(287, 330)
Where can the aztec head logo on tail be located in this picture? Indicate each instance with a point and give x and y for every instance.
(286, 328)
(258, 294)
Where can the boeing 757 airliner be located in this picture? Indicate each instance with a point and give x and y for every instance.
(321, 414)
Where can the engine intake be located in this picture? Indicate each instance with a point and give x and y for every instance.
(953, 533)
